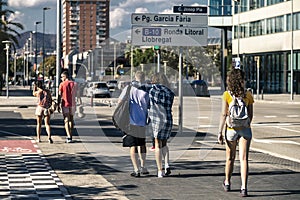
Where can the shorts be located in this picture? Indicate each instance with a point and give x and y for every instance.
(136, 137)
(39, 111)
(232, 134)
(69, 110)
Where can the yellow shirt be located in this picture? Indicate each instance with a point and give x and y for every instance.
(248, 99)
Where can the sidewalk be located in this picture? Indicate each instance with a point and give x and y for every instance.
(22, 96)
(99, 168)
(95, 166)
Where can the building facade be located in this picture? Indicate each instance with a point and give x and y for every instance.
(264, 36)
(85, 24)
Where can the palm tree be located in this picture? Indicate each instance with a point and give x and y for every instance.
(7, 32)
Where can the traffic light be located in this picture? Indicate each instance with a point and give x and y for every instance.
(156, 49)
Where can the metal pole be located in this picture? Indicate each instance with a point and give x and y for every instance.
(292, 51)
(7, 42)
(44, 9)
(180, 103)
(35, 52)
(15, 67)
(7, 68)
(158, 61)
(131, 62)
(102, 71)
(115, 61)
(24, 65)
(58, 45)
(257, 78)
(239, 11)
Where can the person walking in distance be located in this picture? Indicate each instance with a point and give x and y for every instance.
(138, 112)
(67, 102)
(160, 113)
(44, 102)
(236, 134)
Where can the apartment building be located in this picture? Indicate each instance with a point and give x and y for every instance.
(85, 24)
(264, 36)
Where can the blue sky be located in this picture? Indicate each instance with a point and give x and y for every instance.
(29, 11)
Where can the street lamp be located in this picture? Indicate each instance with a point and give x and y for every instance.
(238, 26)
(44, 9)
(115, 59)
(7, 43)
(35, 52)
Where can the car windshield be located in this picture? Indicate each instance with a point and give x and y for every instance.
(101, 85)
(112, 82)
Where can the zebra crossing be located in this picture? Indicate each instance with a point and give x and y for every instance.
(29, 176)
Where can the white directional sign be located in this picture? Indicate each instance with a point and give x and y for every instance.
(169, 36)
(168, 19)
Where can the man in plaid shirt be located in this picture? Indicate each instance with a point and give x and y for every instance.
(160, 113)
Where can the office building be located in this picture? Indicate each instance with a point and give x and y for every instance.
(264, 36)
(85, 24)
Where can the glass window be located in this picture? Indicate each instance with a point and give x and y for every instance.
(255, 28)
(244, 30)
(288, 22)
(227, 7)
(215, 7)
(271, 2)
(254, 4)
(271, 25)
(297, 67)
(279, 24)
(297, 21)
(244, 5)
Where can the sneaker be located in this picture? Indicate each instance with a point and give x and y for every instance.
(160, 174)
(244, 193)
(226, 187)
(167, 171)
(68, 140)
(135, 174)
(152, 148)
(38, 140)
(50, 141)
(144, 171)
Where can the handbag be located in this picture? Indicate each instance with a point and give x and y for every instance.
(120, 117)
(53, 107)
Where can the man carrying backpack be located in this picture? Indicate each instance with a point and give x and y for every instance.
(44, 103)
(237, 112)
(67, 103)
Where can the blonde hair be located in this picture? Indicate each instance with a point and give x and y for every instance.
(160, 78)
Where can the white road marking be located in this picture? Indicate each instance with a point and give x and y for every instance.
(14, 134)
(293, 116)
(268, 141)
(287, 129)
(270, 116)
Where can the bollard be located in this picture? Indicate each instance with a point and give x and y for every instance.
(92, 100)
(262, 94)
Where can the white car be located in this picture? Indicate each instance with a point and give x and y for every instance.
(96, 89)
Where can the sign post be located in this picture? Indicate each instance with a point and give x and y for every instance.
(192, 31)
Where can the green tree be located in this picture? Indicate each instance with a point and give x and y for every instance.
(50, 66)
(8, 31)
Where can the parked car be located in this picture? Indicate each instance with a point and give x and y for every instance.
(200, 88)
(96, 89)
(112, 84)
(122, 84)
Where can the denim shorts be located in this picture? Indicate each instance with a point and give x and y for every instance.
(232, 134)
